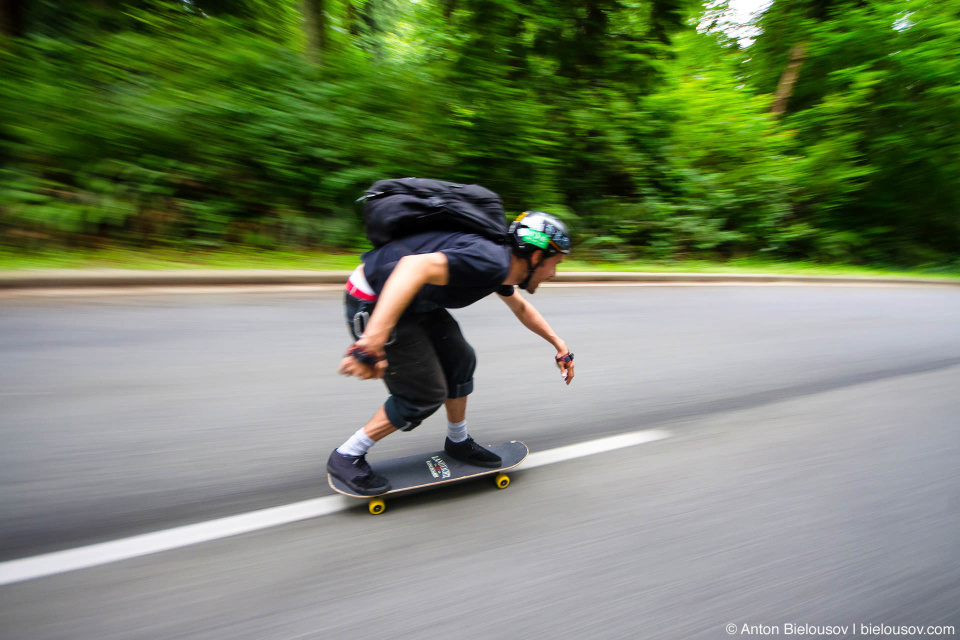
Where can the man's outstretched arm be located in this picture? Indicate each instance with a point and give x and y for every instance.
(528, 315)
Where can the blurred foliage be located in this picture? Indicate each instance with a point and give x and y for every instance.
(205, 124)
(876, 111)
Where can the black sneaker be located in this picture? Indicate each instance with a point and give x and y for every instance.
(354, 472)
(470, 452)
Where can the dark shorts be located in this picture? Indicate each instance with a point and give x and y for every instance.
(428, 361)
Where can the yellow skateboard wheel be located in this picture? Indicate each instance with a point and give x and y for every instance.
(503, 481)
(377, 506)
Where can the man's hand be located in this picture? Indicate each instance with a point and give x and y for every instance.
(565, 363)
(367, 366)
(350, 366)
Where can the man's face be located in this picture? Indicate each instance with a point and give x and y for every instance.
(544, 272)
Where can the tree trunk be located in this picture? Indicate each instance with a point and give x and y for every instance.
(11, 18)
(789, 79)
(315, 23)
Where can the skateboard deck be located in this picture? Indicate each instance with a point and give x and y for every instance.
(435, 468)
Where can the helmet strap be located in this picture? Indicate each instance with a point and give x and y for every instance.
(531, 268)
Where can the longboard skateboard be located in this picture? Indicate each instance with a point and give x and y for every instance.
(435, 468)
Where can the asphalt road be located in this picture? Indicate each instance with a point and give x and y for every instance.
(810, 476)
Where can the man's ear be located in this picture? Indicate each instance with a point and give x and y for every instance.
(536, 258)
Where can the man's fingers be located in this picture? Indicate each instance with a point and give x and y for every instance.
(350, 366)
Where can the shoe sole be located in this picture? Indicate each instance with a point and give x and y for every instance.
(363, 492)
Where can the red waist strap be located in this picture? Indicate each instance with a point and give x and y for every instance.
(358, 294)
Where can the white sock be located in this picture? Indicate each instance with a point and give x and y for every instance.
(457, 431)
(357, 445)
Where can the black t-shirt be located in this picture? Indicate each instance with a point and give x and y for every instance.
(477, 265)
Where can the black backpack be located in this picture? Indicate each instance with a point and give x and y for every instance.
(400, 207)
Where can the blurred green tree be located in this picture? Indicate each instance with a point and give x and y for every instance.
(216, 122)
(875, 110)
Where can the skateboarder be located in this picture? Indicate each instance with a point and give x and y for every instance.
(396, 307)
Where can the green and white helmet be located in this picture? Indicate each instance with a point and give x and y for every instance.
(534, 230)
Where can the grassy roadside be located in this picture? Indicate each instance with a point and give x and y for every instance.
(159, 259)
(255, 259)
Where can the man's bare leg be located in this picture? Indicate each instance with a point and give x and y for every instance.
(376, 429)
(379, 426)
(456, 418)
(456, 409)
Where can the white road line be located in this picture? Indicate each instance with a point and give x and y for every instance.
(97, 554)
(562, 454)
(94, 555)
